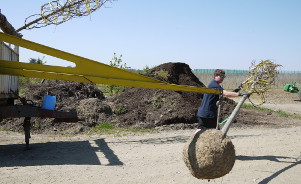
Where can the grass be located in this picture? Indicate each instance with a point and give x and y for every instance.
(120, 109)
(250, 106)
(4, 129)
(163, 74)
(105, 128)
(279, 112)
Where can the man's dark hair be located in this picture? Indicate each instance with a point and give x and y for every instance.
(219, 72)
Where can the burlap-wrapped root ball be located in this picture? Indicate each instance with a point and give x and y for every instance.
(208, 155)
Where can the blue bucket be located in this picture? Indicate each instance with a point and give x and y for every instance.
(49, 102)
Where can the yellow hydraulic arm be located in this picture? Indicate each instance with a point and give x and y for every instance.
(86, 70)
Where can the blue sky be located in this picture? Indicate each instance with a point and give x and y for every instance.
(205, 34)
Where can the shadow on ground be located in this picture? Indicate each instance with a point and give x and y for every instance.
(274, 159)
(57, 153)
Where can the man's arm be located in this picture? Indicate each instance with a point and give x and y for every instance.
(230, 93)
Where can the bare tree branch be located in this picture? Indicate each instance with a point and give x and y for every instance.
(7, 28)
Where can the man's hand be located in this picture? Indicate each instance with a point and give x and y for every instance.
(242, 94)
(237, 89)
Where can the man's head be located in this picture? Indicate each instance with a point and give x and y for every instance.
(219, 75)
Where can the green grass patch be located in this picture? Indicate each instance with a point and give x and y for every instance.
(162, 74)
(37, 125)
(105, 128)
(4, 129)
(282, 113)
(279, 112)
(257, 108)
(120, 109)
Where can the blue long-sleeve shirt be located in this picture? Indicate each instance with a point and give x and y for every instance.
(208, 108)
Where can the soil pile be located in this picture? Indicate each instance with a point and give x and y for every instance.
(68, 98)
(68, 94)
(148, 108)
(134, 107)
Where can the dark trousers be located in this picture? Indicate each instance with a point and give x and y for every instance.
(207, 123)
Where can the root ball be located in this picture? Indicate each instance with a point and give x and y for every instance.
(208, 155)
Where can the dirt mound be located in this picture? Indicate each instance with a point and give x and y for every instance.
(85, 98)
(150, 107)
(134, 107)
(181, 74)
(68, 97)
(68, 94)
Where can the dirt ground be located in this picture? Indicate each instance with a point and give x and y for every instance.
(277, 99)
(268, 150)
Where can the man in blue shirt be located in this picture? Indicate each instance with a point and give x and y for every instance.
(208, 110)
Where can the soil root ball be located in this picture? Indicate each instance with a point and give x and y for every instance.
(208, 155)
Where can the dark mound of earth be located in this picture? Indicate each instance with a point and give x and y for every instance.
(134, 107)
(68, 97)
(148, 108)
(68, 94)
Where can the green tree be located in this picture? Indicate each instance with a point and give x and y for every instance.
(145, 70)
(37, 61)
(26, 80)
(112, 90)
(116, 62)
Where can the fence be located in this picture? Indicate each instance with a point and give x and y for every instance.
(236, 77)
(7, 83)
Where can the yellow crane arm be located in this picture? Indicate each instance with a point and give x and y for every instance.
(86, 70)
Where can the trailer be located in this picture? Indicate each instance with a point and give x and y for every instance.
(9, 90)
(9, 93)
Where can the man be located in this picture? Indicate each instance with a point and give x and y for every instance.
(208, 110)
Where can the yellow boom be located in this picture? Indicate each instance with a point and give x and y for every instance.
(86, 70)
